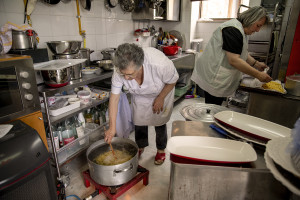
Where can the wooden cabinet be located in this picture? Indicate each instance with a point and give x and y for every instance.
(35, 120)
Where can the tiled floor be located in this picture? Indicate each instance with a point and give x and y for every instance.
(159, 175)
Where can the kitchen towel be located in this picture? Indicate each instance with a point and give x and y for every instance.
(124, 123)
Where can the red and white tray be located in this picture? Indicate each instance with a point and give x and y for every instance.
(253, 126)
(211, 149)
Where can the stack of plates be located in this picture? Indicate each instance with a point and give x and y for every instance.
(209, 151)
(250, 128)
(278, 160)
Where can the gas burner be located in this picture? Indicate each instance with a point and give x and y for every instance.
(113, 192)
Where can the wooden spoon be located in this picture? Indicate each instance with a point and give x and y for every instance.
(111, 148)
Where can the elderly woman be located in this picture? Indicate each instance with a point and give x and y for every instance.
(219, 69)
(150, 77)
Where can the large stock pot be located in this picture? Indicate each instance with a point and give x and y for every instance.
(113, 175)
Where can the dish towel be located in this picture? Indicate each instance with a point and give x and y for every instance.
(124, 123)
(6, 35)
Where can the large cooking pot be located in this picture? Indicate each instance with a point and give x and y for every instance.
(114, 174)
(292, 84)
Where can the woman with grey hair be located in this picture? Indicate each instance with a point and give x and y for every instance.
(150, 77)
(219, 69)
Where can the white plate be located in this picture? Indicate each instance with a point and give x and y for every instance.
(277, 150)
(89, 71)
(57, 64)
(256, 127)
(241, 135)
(271, 166)
(210, 149)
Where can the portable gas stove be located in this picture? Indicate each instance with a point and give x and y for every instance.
(113, 192)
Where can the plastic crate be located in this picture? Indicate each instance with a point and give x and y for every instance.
(179, 91)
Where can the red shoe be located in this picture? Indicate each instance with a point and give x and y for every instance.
(159, 158)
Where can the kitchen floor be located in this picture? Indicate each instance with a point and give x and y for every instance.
(159, 175)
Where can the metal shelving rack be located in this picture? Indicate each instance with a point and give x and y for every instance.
(45, 92)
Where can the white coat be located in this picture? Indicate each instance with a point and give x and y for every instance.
(158, 71)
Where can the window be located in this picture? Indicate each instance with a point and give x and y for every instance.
(217, 9)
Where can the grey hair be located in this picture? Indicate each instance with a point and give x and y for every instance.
(252, 15)
(127, 53)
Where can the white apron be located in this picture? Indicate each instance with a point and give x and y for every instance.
(158, 71)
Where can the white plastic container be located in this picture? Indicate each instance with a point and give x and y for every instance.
(85, 97)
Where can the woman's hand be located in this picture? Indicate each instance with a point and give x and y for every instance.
(109, 134)
(158, 105)
(263, 77)
(260, 66)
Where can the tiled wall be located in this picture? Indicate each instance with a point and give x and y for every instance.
(103, 28)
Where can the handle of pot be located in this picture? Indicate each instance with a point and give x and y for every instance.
(123, 170)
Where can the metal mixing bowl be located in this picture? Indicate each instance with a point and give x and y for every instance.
(106, 64)
(64, 47)
(57, 78)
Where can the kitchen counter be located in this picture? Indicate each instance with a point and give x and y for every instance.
(183, 61)
(278, 108)
(190, 181)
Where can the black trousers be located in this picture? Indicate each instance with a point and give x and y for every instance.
(209, 99)
(141, 136)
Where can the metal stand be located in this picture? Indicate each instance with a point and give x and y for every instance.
(114, 192)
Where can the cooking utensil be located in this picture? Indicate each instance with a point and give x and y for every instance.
(57, 78)
(111, 148)
(85, 53)
(109, 53)
(114, 174)
(106, 64)
(19, 40)
(170, 50)
(64, 47)
(180, 37)
(52, 1)
(201, 112)
(292, 84)
(127, 5)
(86, 4)
(76, 72)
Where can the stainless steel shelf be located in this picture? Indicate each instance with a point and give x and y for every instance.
(64, 116)
(86, 79)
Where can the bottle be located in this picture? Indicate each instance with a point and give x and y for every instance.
(79, 130)
(55, 138)
(96, 115)
(68, 134)
(88, 116)
(69, 124)
(58, 131)
(81, 119)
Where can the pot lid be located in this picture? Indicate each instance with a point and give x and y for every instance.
(201, 112)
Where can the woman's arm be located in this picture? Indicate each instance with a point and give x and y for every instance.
(158, 104)
(113, 110)
(254, 63)
(238, 63)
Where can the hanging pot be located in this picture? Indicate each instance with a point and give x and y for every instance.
(112, 175)
(86, 4)
(127, 5)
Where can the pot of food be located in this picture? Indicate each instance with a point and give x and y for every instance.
(105, 169)
(292, 84)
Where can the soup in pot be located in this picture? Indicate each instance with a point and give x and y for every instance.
(108, 158)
